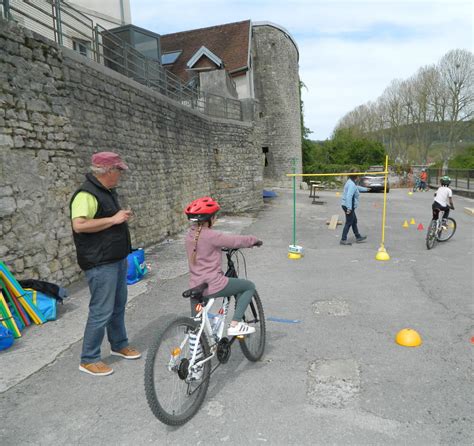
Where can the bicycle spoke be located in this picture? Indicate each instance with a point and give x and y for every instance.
(253, 345)
(172, 394)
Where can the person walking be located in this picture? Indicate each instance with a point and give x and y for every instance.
(102, 240)
(350, 201)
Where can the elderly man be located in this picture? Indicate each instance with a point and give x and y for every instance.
(102, 242)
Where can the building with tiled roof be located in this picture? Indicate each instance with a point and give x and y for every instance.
(247, 60)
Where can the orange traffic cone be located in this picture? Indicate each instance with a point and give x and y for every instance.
(420, 227)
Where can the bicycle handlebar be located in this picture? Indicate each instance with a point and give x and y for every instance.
(258, 243)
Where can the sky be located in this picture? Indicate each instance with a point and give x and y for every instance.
(349, 51)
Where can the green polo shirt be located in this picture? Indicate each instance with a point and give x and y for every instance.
(84, 205)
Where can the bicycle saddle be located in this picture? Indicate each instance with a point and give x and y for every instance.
(195, 292)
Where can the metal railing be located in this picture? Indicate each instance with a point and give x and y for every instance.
(461, 179)
(72, 29)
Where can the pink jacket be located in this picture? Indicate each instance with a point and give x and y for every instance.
(208, 264)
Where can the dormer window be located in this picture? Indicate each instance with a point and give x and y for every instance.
(170, 58)
(205, 52)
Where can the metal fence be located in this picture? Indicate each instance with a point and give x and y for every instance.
(461, 179)
(72, 29)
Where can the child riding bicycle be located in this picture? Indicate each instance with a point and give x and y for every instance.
(204, 251)
(443, 199)
(423, 180)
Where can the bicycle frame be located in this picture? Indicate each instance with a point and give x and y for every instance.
(203, 317)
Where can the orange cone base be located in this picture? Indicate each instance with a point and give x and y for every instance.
(408, 338)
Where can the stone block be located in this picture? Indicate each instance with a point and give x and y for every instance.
(7, 206)
(6, 141)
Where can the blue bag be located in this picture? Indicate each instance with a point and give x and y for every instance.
(46, 304)
(136, 266)
(6, 338)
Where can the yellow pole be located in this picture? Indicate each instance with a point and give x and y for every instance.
(334, 174)
(384, 199)
(382, 254)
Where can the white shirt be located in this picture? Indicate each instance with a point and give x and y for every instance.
(443, 194)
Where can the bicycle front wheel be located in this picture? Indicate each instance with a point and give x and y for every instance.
(446, 233)
(175, 394)
(253, 345)
(431, 235)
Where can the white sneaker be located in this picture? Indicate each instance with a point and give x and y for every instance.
(241, 329)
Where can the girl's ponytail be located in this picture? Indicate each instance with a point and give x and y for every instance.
(196, 238)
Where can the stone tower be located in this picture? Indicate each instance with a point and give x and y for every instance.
(276, 85)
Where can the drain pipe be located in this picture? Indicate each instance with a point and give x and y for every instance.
(122, 13)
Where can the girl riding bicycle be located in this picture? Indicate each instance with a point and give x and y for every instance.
(204, 251)
(443, 199)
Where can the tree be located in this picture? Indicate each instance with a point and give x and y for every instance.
(435, 105)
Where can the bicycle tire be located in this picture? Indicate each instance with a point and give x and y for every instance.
(431, 235)
(447, 233)
(253, 345)
(159, 379)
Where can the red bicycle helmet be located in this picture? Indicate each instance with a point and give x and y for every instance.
(201, 209)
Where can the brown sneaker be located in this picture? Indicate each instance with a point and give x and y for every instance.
(127, 353)
(96, 368)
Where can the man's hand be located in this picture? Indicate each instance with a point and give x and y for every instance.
(121, 216)
(348, 211)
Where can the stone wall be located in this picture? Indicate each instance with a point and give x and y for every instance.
(57, 108)
(276, 84)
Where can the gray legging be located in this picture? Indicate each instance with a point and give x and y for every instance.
(241, 288)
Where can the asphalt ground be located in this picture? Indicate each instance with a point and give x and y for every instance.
(331, 374)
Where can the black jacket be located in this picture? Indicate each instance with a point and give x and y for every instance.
(109, 245)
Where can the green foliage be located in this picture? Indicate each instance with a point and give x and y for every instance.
(464, 160)
(343, 151)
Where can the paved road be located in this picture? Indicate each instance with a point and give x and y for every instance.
(334, 377)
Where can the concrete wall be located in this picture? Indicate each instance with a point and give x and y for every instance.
(107, 13)
(276, 83)
(57, 108)
(218, 82)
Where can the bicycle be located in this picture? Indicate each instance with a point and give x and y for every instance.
(417, 186)
(178, 363)
(440, 230)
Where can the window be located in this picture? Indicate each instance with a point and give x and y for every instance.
(169, 58)
(146, 45)
(265, 152)
(81, 46)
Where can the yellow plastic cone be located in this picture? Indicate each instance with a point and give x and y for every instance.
(337, 194)
(408, 338)
(405, 224)
(410, 193)
(382, 254)
(412, 221)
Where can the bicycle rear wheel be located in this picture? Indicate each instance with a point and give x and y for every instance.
(445, 234)
(431, 235)
(173, 394)
(253, 345)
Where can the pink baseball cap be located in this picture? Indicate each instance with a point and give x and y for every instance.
(108, 159)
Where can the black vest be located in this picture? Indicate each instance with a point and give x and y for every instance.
(107, 246)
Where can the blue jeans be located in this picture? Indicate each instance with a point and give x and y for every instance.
(108, 287)
(351, 222)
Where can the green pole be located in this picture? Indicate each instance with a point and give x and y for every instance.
(294, 203)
